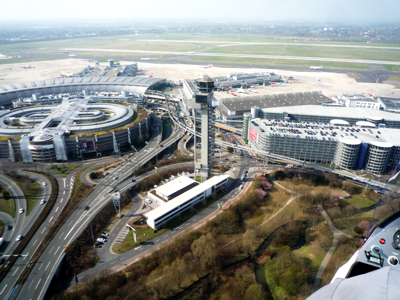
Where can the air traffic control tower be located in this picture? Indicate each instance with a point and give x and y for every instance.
(203, 101)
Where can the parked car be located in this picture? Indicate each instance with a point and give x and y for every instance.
(101, 240)
(105, 234)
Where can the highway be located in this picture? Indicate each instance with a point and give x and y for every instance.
(18, 223)
(39, 278)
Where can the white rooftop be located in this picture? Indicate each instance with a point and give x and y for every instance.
(174, 186)
(176, 202)
(336, 112)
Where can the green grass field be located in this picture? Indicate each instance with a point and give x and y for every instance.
(8, 206)
(392, 68)
(397, 78)
(32, 194)
(312, 51)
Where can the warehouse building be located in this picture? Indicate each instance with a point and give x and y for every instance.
(164, 213)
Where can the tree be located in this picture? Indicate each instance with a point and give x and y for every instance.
(179, 271)
(221, 168)
(335, 199)
(250, 241)
(205, 249)
(255, 292)
(229, 149)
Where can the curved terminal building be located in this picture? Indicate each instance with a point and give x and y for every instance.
(57, 119)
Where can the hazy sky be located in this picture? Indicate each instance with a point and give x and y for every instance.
(213, 10)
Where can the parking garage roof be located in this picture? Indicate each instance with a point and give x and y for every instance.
(275, 100)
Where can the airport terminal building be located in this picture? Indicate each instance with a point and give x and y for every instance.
(64, 118)
(348, 138)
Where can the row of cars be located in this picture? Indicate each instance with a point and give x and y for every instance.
(101, 240)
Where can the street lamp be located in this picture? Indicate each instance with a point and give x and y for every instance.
(118, 254)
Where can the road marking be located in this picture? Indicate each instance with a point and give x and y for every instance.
(157, 240)
(40, 267)
(47, 266)
(3, 289)
(51, 219)
(30, 285)
(35, 242)
(26, 256)
(57, 250)
(61, 200)
(43, 229)
(38, 284)
(15, 271)
(51, 249)
(61, 235)
(57, 209)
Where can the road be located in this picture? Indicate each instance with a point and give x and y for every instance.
(19, 199)
(362, 61)
(40, 276)
(64, 193)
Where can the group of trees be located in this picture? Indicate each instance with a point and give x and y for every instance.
(189, 257)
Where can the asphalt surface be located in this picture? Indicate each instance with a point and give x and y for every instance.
(39, 278)
(64, 193)
(377, 70)
(10, 242)
(363, 61)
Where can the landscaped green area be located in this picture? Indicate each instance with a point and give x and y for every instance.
(397, 78)
(64, 169)
(355, 76)
(7, 204)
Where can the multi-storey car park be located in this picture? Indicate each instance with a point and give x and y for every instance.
(71, 117)
(234, 108)
(318, 135)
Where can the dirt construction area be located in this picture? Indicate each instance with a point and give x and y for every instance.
(331, 84)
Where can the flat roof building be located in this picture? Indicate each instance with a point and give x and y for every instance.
(175, 187)
(164, 213)
(389, 103)
(324, 114)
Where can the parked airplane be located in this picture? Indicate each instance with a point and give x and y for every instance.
(63, 74)
(206, 67)
(72, 55)
(145, 58)
(28, 67)
(317, 68)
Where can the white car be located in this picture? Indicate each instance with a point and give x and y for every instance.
(42, 202)
(21, 210)
(19, 238)
(115, 178)
(101, 240)
(147, 201)
(44, 183)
